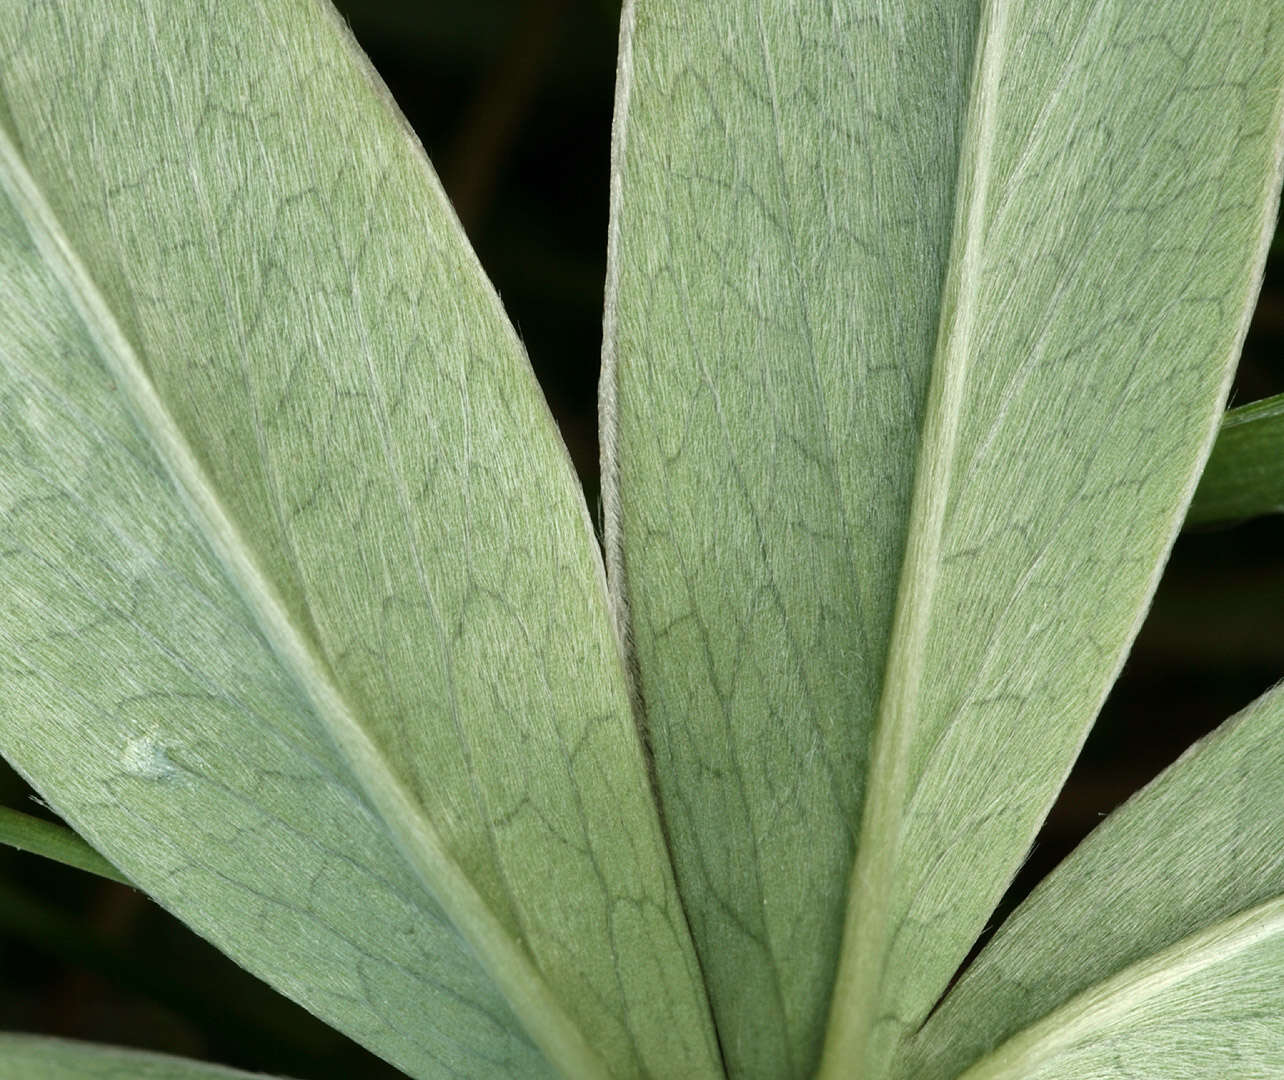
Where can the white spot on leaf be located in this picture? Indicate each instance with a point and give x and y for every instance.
(146, 758)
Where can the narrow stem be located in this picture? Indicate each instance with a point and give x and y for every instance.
(56, 842)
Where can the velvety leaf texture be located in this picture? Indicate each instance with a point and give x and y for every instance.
(1078, 382)
(141, 700)
(919, 325)
(783, 187)
(1200, 844)
(1208, 1006)
(301, 582)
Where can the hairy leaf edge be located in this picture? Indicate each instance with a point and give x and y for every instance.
(609, 457)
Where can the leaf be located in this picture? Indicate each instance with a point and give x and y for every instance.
(56, 842)
(1244, 476)
(35, 1058)
(1052, 478)
(1201, 843)
(301, 578)
(141, 699)
(994, 264)
(1209, 1004)
(775, 249)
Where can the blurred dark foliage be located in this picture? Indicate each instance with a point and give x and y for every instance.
(513, 100)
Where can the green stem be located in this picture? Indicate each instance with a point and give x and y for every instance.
(57, 842)
(1244, 477)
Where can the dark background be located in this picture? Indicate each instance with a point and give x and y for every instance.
(513, 99)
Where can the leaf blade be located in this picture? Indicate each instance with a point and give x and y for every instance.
(1205, 1001)
(857, 985)
(142, 740)
(795, 248)
(989, 725)
(742, 247)
(432, 593)
(1195, 847)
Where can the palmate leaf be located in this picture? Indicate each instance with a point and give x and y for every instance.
(1191, 865)
(31, 1058)
(919, 324)
(303, 624)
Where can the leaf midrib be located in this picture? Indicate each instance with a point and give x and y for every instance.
(862, 959)
(503, 958)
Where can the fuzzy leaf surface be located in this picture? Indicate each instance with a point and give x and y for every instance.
(303, 604)
(1201, 843)
(141, 700)
(1207, 1006)
(919, 324)
(780, 223)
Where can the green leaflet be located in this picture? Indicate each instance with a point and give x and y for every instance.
(1201, 843)
(1054, 217)
(1210, 1005)
(56, 842)
(1245, 472)
(782, 192)
(1052, 476)
(302, 578)
(30, 1057)
(140, 697)
(1207, 1006)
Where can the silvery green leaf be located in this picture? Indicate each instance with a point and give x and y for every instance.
(304, 625)
(1208, 1006)
(919, 325)
(1200, 844)
(140, 697)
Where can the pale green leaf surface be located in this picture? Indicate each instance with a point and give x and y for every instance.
(1245, 472)
(1199, 844)
(140, 698)
(815, 214)
(31, 1057)
(1209, 1006)
(278, 294)
(780, 223)
(1118, 186)
(57, 842)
